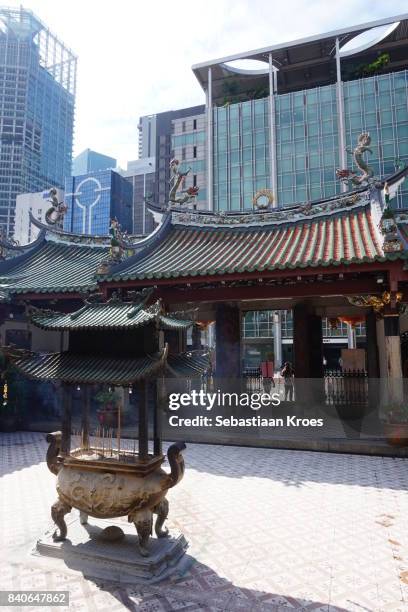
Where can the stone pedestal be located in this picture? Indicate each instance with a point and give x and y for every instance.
(89, 551)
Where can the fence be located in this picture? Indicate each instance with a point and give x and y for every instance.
(341, 387)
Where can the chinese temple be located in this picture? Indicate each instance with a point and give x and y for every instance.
(344, 256)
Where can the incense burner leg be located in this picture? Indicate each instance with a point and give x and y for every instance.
(58, 511)
(83, 518)
(162, 511)
(143, 521)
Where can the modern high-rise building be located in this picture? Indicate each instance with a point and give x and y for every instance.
(189, 147)
(288, 124)
(155, 140)
(94, 199)
(37, 100)
(89, 161)
(141, 175)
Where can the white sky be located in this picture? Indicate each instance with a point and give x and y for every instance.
(135, 57)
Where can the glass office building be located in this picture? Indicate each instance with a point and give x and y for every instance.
(141, 175)
(94, 199)
(307, 141)
(89, 161)
(287, 127)
(37, 99)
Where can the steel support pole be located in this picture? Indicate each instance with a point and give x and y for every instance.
(341, 127)
(210, 161)
(144, 204)
(277, 338)
(351, 337)
(143, 420)
(272, 133)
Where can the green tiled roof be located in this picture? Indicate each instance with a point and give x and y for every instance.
(70, 368)
(188, 364)
(52, 267)
(201, 246)
(114, 314)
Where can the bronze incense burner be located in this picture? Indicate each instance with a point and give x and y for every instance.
(108, 487)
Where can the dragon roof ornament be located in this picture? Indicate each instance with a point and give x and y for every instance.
(177, 178)
(367, 174)
(55, 214)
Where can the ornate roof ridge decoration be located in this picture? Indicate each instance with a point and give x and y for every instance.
(59, 235)
(56, 213)
(113, 314)
(91, 369)
(10, 248)
(177, 178)
(379, 303)
(366, 176)
(307, 211)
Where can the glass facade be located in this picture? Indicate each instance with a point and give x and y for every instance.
(89, 161)
(96, 198)
(259, 324)
(307, 140)
(241, 153)
(143, 187)
(307, 145)
(379, 105)
(37, 97)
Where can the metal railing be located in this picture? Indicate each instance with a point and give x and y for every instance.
(341, 387)
(346, 387)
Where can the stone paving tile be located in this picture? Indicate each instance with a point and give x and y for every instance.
(268, 530)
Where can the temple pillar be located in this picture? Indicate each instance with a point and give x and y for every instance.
(228, 341)
(66, 418)
(316, 346)
(159, 395)
(143, 420)
(389, 349)
(373, 366)
(307, 343)
(86, 409)
(389, 346)
(196, 338)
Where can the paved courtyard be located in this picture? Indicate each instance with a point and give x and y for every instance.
(268, 530)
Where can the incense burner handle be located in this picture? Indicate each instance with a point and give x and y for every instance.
(53, 458)
(176, 462)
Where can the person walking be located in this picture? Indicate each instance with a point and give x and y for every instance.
(288, 374)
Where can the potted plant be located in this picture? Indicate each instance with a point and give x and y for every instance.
(396, 424)
(108, 412)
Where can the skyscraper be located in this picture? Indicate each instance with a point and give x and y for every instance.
(141, 175)
(37, 100)
(94, 199)
(89, 160)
